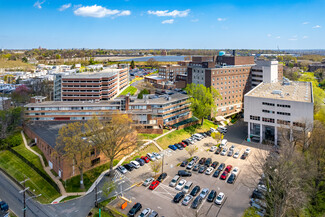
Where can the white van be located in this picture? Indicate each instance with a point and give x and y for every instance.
(187, 187)
(151, 157)
(135, 164)
(223, 143)
(196, 135)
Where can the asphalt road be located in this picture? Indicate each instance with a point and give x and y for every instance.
(78, 207)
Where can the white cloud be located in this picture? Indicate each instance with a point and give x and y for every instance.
(38, 4)
(305, 23)
(304, 37)
(293, 39)
(99, 12)
(167, 13)
(221, 19)
(64, 7)
(277, 37)
(269, 35)
(171, 21)
(195, 20)
(317, 27)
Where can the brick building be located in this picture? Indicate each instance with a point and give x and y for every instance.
(170, 72)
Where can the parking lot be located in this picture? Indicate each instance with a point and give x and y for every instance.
(161, 199)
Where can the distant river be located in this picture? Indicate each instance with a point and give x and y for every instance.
(158, 58)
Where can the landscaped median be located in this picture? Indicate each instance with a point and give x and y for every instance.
(130, 89)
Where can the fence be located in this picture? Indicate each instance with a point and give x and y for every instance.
(48, 179)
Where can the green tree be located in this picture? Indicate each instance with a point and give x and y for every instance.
(142, 92)
(155, 166)
(132, 64)
(203, 100)
(24, 59)
(191, 150)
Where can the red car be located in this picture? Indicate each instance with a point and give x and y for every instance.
(224, 175)
(228, 168)
(154, 185)
(145, 159)
(182, 144)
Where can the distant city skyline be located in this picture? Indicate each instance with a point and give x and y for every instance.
(144, 24)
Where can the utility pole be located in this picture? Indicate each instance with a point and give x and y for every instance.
(96, 195)
(24, 194)
(162, 166)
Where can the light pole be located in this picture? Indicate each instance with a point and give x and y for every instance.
(162, 166)
(24, 194)
(96, 195)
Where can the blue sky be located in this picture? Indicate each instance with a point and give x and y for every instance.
(205, 24)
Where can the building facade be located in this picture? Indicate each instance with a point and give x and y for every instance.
(271, 108)
(97, 86)
(267, 72)
(169, 72)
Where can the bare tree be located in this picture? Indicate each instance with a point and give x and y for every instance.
(191, 150)
(155, 166)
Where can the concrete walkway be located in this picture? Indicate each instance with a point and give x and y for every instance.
(48, 171)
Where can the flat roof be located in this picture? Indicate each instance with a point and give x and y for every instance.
(296, 91)
(155, 77)
(103, 73)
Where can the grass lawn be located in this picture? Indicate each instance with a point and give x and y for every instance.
(20, 170)
(35, 148)
(69, 198)
(143, 152)
(130, 89)
(73, 184)
(145, 136)
(179, 135)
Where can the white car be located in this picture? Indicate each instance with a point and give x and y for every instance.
(181, 185)
(213, 130)
(220, 198)
(235, 171)
(224, 151)
(248, 150)
(223, 143)
(209, 171)
(204, 192)
(151, 157)
(237, 153)
(145, 212)
(213, 148)
(173, 182)
(135, 164)
(232, 148)
(187, 200)
(157, 156)
(148, 181)
(190, 165)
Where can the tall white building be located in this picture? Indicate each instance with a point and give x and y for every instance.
(266, 71)
(270, 107)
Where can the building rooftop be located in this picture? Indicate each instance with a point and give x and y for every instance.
(291, 91)
(155, 77)
(104, 73)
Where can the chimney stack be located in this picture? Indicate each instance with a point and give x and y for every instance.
(234, 52)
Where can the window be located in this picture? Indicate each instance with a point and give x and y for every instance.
(283, 122)
(269, 120)
(268, 111)
(256, 118)
(297, 124)
(283, 113)
(283, 106)
(268, 104)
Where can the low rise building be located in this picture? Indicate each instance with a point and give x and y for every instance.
(271, 108)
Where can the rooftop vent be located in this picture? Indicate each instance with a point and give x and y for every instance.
(277, 92)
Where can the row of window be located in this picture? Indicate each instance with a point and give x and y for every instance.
(278, 105)
(283, 113)
(255, 118)
(268, 111)
(269, 120)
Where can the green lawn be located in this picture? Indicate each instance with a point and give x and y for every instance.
(69, 198)
(130, 89)
(73, 184)
(35, 148)
(145, 136)
(179, 135)
(20, 170)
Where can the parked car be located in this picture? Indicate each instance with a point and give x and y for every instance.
(237, 153)
(195, 159)
(213, 130)
(162, 177)
(244, 156)
(224, 152)
(145, 212)
(179, 146)
(140, 161)
(231, 179)
(190, 165)
(136, 208)
(182, 144)
(129, 167)
(135, 164)
(151, 157)
(157, 156)
(4, 206)
(196, 167)
(235, 171)
(184, 163)
(208, 162)
(203, 134)
(195, 191)
(202, 160)
(218, 150)
(122, 169)
(221, 166)
(172, 147)
(196, 202)
(220, 198)
(228, 168)
(230, 153)
(181, 185)
(223, 143)
(187, 200)
(211, 196)
(224, 175)
(214, 164)
(213, 148)
(209, 171)
(204, 192)
(202, 169)
(184, 173)
(153, 214)
(258, 194)
(216, 173)
(154, 185)
(222, 130)
(187, 187)
(173, 182)
(186, 142)
(148, 181)
(247, 151)
(145, 159)
(232, 147)
(178, 197)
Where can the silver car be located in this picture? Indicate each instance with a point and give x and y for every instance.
(204, 192)
(187, 200)
(148, 181)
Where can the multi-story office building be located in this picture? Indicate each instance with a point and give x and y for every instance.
(270, 107)
(267, 72)
(90, 86)
(230, 75)
(170, 72)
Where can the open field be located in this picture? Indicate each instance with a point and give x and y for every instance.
(15, 64)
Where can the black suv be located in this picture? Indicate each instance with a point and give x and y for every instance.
(218, 151)
(179, 196)
(162, 177)
(129, 167)
(202, 160)
(184, 173)
(197, 202)
(211, 196)
(184, 163)
(195, 191)
(136, 208)
(208, 162)
(221, 166)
